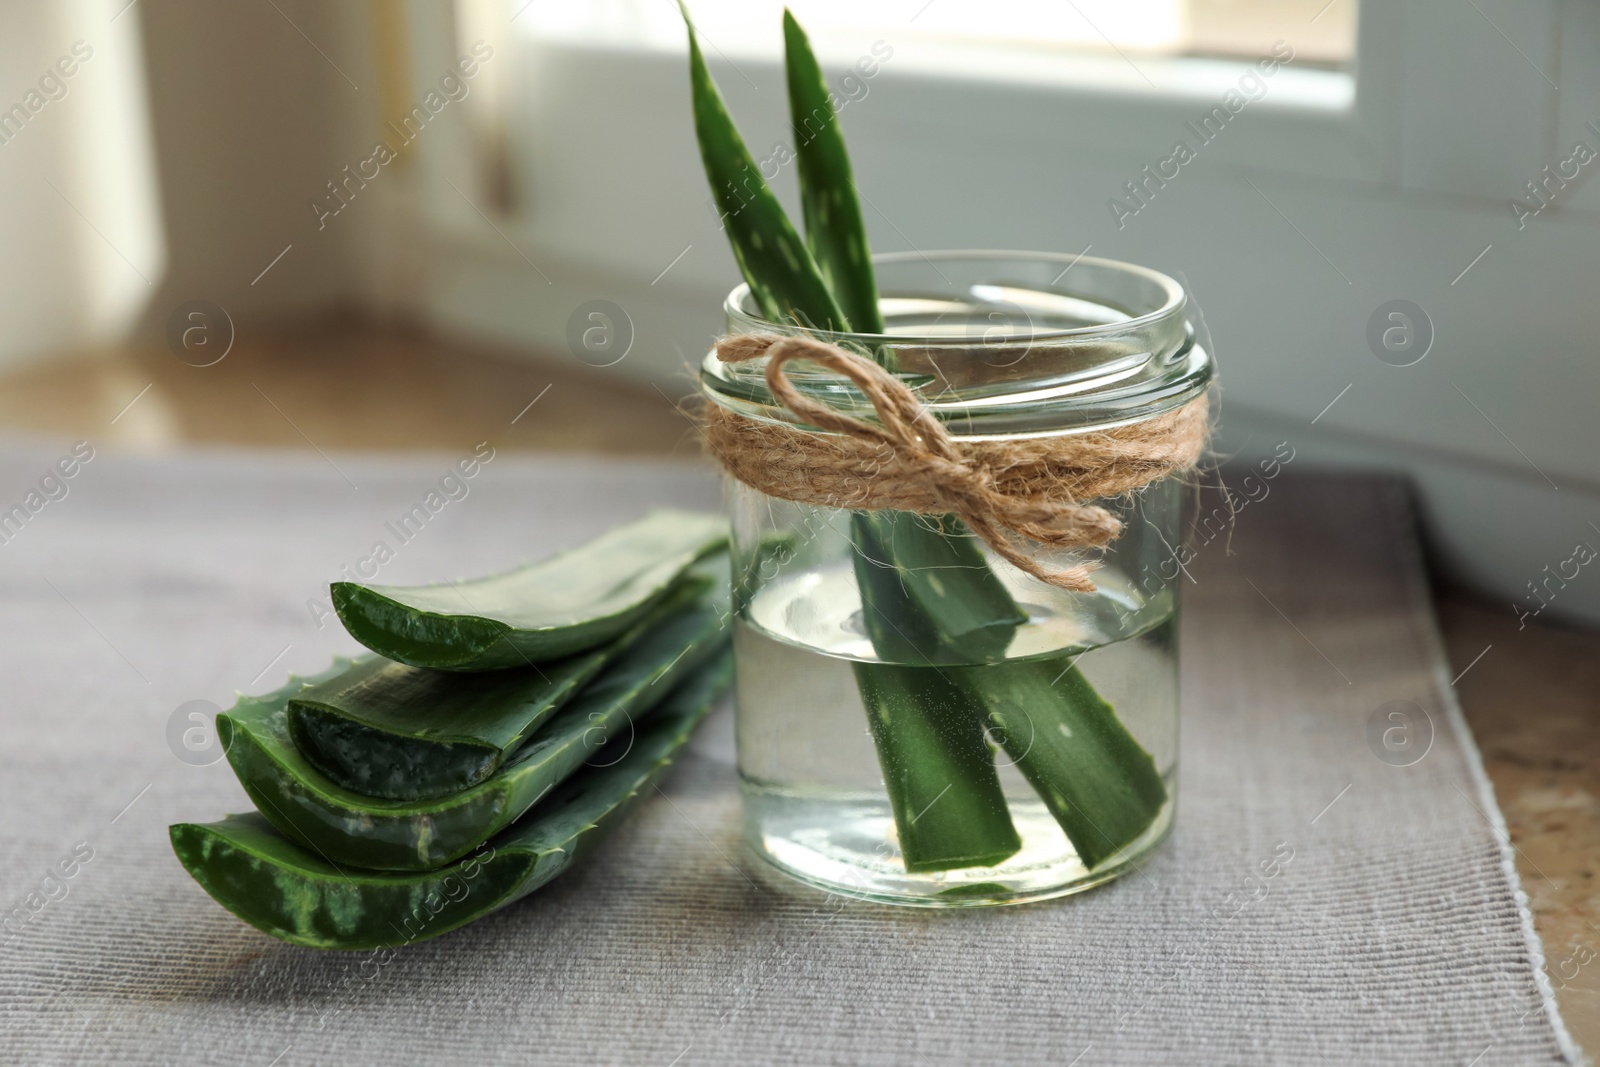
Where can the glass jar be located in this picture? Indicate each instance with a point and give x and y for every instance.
(919, 722)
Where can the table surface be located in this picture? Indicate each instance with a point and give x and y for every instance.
(170, 579)
(1533, 698)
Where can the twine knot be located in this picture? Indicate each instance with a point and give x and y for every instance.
(1030, 488)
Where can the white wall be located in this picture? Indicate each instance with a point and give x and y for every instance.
(1394, 182)
(255, 107)
(81, 219)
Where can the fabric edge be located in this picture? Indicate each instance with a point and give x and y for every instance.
(1401, 498)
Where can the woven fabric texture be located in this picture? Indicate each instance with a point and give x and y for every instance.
(1394, 933)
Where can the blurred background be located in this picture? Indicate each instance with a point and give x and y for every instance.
(329, 225)
(393, 210)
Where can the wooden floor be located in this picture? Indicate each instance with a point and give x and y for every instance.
(1533, 698)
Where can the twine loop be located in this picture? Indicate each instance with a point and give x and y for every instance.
(1034, 489)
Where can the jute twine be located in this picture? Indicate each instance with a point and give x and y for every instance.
(1033, 488)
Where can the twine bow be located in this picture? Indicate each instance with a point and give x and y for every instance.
(1030, 488)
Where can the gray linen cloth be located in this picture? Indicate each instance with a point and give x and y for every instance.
(1394, 932)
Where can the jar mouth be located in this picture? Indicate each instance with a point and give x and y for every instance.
(998, 343)
(742, 316)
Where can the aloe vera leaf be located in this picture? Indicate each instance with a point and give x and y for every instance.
(928, 733)
(782, 275)
(1098, 782)
(835, 232)
(924, 752)
(928, 595)
(567, 604)
(348, 827)
(938, 769)
(790, 286)
(772, 551)
(298, 896)
(898, 632)
(385, 729)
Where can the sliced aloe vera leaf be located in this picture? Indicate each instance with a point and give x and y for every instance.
(783, 277)
(1099, 783)
(928, 595)
(567, 604)
(385, 729)
(938, 769)
(298, 896)
(835, 232)
(353, 829)
(899, 633)
(941, 750)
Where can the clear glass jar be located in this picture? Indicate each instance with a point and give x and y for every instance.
(971, 735)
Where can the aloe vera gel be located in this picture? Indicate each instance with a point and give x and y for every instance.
(919, 721)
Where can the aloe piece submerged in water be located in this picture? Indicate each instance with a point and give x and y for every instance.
(927, 593)
(348, 828)
(569, 603)
(1097, 781)
(929, 596)
(385, 729)
(297, 896)
(788, 285)
(939, 771)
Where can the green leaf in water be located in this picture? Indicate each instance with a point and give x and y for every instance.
(938, 769)
(921, 591)
(928, 595)
(1101, 786)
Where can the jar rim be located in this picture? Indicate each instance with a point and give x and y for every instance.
(1112, 344)
(1175, 296)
